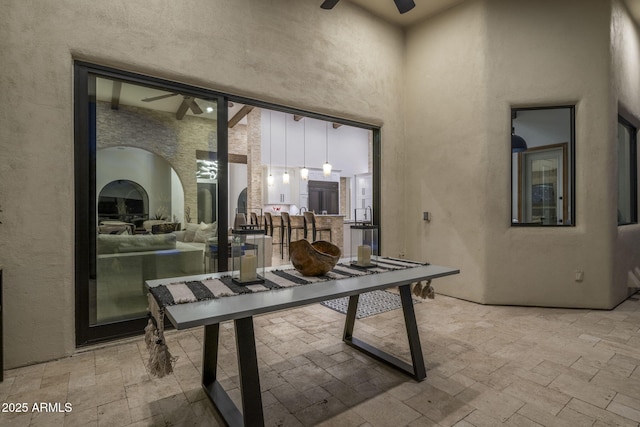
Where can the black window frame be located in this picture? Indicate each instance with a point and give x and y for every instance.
(633, 170)
(571, 162)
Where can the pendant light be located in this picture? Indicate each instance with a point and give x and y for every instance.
(518, 144)
(326, 168)
(304, 172)
(270, 177)
(285, 175)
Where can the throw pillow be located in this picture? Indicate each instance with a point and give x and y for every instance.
(203, 233)
(190, 232)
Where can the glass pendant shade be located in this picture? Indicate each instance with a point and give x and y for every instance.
(285, 177)
(304, 173)
(326, 169)
(270, 180)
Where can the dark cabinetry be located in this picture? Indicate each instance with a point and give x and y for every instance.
(324, 197)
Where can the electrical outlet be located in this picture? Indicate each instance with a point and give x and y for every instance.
(579, 275)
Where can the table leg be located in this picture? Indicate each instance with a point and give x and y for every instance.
(415, 348)
(417, 368)
(252, 413)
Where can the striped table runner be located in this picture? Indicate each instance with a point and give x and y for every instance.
(187, 292)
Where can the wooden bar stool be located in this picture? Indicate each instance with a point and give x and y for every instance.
(254, 219)
(268, 223)
(310, 219)
(286, 218)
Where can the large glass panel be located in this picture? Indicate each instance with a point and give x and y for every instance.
(155, 192)
(542, 166)
(627, 163)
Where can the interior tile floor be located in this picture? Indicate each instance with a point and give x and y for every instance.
(487, 366)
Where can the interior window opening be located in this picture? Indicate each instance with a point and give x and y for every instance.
(542, 166)
(627, 209)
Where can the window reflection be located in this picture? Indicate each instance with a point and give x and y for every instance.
(542, 166)
(627, 164)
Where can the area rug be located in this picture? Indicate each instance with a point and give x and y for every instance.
(369, 303)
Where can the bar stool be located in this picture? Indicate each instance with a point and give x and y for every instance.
(240, 219)
(254, 219)
(286, 222)
(268, 223)
(310, 219)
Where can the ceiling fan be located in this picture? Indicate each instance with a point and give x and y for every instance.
(403, 6)
(187, 103)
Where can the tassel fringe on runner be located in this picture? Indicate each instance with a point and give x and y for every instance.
(423, 290)
(161, 362)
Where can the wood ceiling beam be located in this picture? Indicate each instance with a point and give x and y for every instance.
(240, 115)
(336, 125)
(297, 117)
(116, 90)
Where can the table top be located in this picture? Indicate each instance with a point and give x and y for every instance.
(184, 316)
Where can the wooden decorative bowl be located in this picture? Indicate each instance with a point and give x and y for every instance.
(314, 259)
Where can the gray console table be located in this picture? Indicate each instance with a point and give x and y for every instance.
(242, 308)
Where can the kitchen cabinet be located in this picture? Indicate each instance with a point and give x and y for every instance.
(280, 193)
(318, 175)
(364, 191)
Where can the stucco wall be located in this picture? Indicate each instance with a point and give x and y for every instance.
(625, 66)
(446, 148)
(485, 57)
(290, 52)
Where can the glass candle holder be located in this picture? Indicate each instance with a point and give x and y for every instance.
(247, 256)
(364, 245)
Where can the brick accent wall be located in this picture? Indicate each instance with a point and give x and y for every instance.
(162, 134)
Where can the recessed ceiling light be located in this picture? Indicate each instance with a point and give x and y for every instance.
(209, 109)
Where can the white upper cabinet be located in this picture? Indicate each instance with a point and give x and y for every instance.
(279, 192)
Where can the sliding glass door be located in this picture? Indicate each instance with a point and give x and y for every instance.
(164, 170)
(149, 167)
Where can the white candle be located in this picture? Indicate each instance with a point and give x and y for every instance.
(248, 266)
(364, 255)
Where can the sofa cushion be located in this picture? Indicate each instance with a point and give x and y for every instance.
(112, 244)
(190, 232)
(205, 232)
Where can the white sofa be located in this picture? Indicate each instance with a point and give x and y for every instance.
(125, 262)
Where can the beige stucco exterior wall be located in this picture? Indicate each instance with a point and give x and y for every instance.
(446, 156)
(347, 64)
(483, 58)
(625, 66)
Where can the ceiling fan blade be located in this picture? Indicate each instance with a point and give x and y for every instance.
(182, 109)
(156, 98)
(329, 4)
(193, 105)
(404, 6)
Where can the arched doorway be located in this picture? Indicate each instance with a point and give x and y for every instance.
(123, 200)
